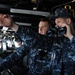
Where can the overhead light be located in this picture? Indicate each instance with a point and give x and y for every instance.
(25, 24)
(34, 1)
(29, 12)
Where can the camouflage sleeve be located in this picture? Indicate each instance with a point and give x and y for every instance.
(68, 57)
(28, 34)
(13, 58)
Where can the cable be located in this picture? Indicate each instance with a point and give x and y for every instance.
(62, 4)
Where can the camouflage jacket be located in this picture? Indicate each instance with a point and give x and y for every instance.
(45, 58)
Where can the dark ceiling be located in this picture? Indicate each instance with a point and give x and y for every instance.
(43, 5)
(37, 5)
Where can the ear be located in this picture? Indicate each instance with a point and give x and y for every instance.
(2, 16)
(68, 20)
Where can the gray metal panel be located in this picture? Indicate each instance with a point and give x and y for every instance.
(31, 12)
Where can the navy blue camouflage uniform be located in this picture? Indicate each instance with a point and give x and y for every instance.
(45, 58)
(65, 62)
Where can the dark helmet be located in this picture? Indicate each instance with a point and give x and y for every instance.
(62, 12)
